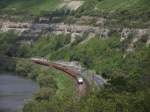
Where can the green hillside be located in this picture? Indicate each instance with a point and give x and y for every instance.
(27, 6)
(134, 8)
(128, 77)
(121, 5)
(124, 64)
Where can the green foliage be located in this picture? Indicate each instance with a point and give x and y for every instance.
(7, 43)
(127, 13)
(128, 77)
(106, 57)
(24, 68)
(7, 48)
(125, 7)
(35, 106)
(32, 7)
(46, 81)
(92, 53)
(23, 50)
(108, 101)
(54, 86)
(44, 94)
(6, 64)
(49, 44)
(96, 101)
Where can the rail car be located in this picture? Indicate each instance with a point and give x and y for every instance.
(80, 80)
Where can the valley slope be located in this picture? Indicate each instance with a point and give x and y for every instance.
(109, 37)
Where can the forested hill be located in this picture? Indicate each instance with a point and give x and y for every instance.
(135, 7)
(130, 8)
(111, 38)
(27, 6)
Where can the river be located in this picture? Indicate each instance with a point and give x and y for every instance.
(14, 91)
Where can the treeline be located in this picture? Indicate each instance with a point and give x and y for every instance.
(7, 42)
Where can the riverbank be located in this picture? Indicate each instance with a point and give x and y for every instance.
(52, 83)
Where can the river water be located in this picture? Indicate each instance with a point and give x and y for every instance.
(14, 91)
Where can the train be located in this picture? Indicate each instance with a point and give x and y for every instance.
(80, 80)
(71, 72)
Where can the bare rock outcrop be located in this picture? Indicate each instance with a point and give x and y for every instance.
(76, 30)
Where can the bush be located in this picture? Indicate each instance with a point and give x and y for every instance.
(46, 81)
(23, 67)
(44, 94)
(7, 43)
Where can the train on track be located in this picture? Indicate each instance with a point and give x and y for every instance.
(69, 70)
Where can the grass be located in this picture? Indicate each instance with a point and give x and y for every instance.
(137, 9)
(65, 84)
(118, 5)
(33, 7)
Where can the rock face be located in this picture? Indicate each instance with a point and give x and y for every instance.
(71, 5)
(16, 26)
(104, 33)
(148, 42)
(28, 29)
(73, 28)
(125, 34)
(135, 35)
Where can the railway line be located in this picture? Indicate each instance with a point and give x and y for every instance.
(74, 73)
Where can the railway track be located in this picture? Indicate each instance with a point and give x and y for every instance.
(81, 86)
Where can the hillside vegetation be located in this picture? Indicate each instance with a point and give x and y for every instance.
(55, 87)
(137, 9)
(27, 7)
(127, 73)
(128, 77)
